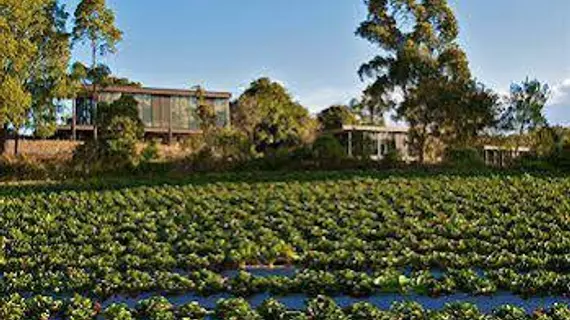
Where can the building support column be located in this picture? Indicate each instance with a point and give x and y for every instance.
(378, 146)
(350, 144)
(74, 120)
(170, 135)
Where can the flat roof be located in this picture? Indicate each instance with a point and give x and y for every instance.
(375, 129)
(163, 91)
(499, 148)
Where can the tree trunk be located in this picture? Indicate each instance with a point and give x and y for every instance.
(94, 89)
(3, 138)
(17, 142)
(422, 149)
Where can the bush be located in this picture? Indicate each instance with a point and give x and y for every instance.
(120, 131)
(468, 158)
(392, 158)
(561, 158)
(150, 151)
(232, 145)
(327, 147)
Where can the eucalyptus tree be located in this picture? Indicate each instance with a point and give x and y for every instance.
(33, 64)
(418, 57)
(95, 23)
(525, 110)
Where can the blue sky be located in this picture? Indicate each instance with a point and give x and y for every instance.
(310, 46)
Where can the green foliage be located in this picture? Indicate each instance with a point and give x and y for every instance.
(365, 311)
(392, 158)
(80, 308)
(335, 117)
(96, 23)
(510, 313)
(267, 114)
(12, 307)
(35, 55)
(125, 107)
(118, 312)
(121, 129)
(340, 242)
(155, 308)
(466, 158)
(272, 309)
(150, 151)
(235, 309)
(328, 148)
(41, 308)
(324, 308)
(526, 106)
(319, 308)
(192, 311)
(421, 59)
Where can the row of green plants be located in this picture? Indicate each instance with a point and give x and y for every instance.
(309, 282)
(16, 307)
(97, 238)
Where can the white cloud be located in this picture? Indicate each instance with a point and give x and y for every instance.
(561, 94)
(320, 99)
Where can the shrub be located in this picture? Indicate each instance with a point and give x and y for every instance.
(463, 158)
(561, 157)
(392, 158)
(232, 145)
(150, 151)
(327, 147)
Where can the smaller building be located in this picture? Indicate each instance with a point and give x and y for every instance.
(502, 156)
(168, 113)
(374, 142)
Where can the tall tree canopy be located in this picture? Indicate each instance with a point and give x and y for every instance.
(334, 117)
(33, 63)
(269, 116)
(525, 110)
(95, 22)
(419, 58)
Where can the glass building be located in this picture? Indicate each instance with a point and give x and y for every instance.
(169, 112)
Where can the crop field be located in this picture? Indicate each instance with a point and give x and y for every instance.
(237, 247)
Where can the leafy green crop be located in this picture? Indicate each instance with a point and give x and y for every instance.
(356, 234)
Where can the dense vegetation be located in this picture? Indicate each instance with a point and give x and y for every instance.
(41, 307)
(424, 234)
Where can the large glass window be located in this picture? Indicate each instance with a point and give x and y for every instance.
(160, 111)
(183, 113)
(84, 110)
(222, 112)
